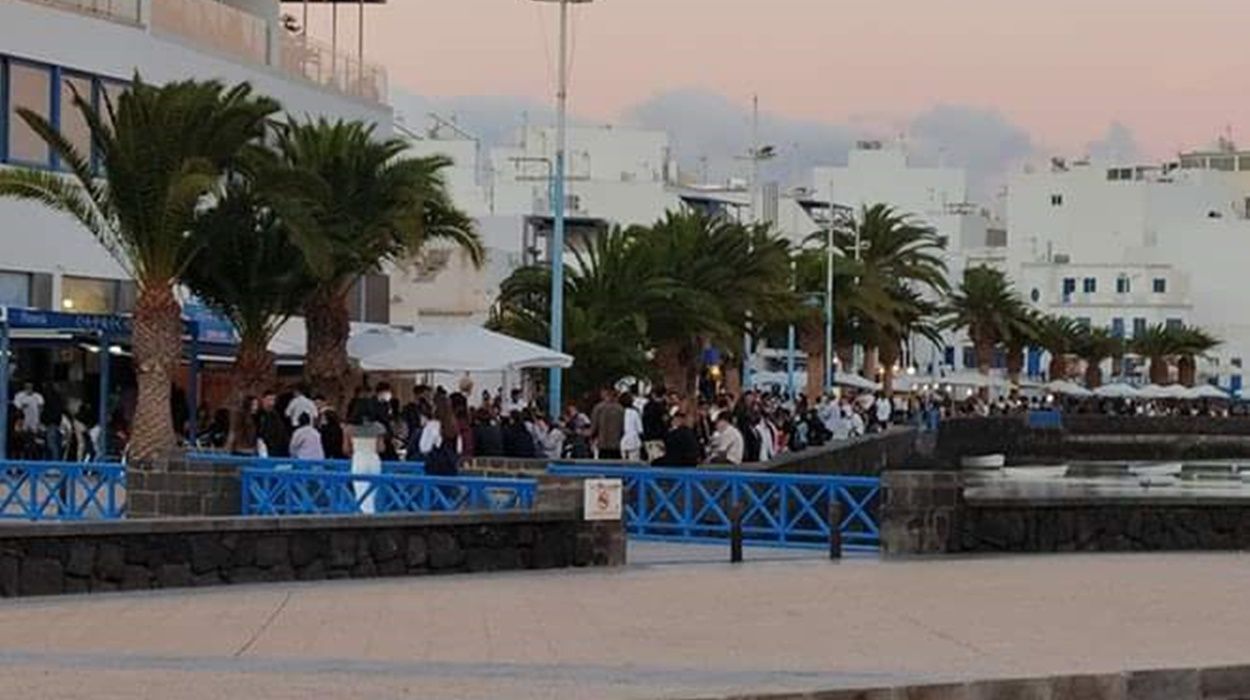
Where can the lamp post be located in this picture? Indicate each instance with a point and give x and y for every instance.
(555, 383)
(756, 155)
(829, 366)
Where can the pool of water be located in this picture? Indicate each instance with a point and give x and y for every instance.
(1193, 480)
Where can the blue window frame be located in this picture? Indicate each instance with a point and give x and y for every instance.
(35, 81)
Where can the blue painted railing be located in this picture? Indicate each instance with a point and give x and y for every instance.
(784, 510)
(289, 463)
(62, 490)
(283, 492)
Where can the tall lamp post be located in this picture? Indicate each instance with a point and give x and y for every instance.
(555, 383)
(829, 358)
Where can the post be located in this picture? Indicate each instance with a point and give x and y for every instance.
(193, 382)
(4, 384)
(555, 382)
(102, 410)
(790, 343)
(735, 533)
(755, 218)
(828, 368)
(835, 526)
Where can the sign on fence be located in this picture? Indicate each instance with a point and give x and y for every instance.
(601, 499)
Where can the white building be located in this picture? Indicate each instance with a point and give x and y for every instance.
(1125, 246)
(48, 48)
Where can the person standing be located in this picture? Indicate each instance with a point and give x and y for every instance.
(301, 405)
(727, 445)
(654, 425)
(607, 425)
(440, 440)
(271, 428)
(306, 441)
(30, 403)
(332, 435)
(681, 444)
(631, 429)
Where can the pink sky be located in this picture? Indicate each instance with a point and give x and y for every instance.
(1174, 72)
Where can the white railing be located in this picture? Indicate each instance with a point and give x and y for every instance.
(124, 10)
(313, 60)
(215, 25)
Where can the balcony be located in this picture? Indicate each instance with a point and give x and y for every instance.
(118, 10)
(243, 36)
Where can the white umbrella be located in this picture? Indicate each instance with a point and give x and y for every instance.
(1206, 391)
(974, 379)
(1066, 388)
(1156, 391)
(854, 381)
(1116, 391)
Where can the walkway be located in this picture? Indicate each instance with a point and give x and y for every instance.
(648, 631)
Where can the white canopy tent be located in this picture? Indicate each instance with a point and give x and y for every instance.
(854, 381)
(1206, 391)
(381, 348)
(1156, 391)
(1067, 388)
(1116, 391)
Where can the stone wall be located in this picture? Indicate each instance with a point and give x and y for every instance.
(178, 488)
(1212, 683)
(869, 455)
(48, 559)
(1095, 437)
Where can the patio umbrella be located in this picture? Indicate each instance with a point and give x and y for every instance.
(854, 381)
(1116, 391)
(1067, 388)
(1206, 391)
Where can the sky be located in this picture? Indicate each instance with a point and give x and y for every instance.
(1005, 78)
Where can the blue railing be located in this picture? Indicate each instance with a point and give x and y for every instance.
(785, 510)
(283, 492)
(62, 490)
(289, 463)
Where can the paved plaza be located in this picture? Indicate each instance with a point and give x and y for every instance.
(673, 625)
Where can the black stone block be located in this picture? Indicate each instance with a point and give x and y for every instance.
(207, 554)
(173, 575)
(384, 546)
(272, 551)
(307, 547)
(75, 584)
(313, 571)
(110, 561)
(244, 552)
(81, 559)
(41, 577)
(245, 574)
(395, 566)
(136, 577)
(342, 550)
(418, 552)
(364, 569)
(9, 567)
(208, 578)
(444, 551)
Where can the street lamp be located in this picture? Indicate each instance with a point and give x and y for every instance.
(756, 155)
(555, 383)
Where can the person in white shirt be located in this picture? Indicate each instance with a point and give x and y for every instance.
(726, 445)
(768, 438)
(301, 405)
(30, 403)
(631, 435)
(306, 441)
(884, 412)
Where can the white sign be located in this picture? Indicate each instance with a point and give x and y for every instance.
(601, 499)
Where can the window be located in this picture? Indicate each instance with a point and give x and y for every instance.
(30, 87)
(1083, 322)
(73, 126)
(1123, 285)
(1035, 295)
(1226, 163)
(1235, 362)
(1139, 327)
(14, 289)
(96, 296)
(1160, 285)
(1056, 200)
(948, 356)
(1117, 327)
(1120, 174)
(1090, 285)
(1174, 324)
(1069, 285)
(970, 357)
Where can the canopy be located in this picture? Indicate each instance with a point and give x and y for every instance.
(1206, 391)
(1067, 388)
(1116, 391)
(1156, 391)
(854, 381)
(975, 379)
(381, 348)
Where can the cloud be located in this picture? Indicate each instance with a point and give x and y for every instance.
(710, 132)
(1117, 145)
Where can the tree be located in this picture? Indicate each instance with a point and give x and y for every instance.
(911, 314)
(983, 305)
(1160, 345)
(378, 206)
(1021, 334)
(1093, 346)
(163, 151)
(1059, 336)
(850, 301)
(606, 292)
(1192, 342)
(248, 269)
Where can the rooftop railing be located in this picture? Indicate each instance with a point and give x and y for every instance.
(216, 25)
(313, 60)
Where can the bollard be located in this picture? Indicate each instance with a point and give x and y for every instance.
(735, 534)
(835, 529)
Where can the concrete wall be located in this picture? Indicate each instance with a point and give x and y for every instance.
(135, 555)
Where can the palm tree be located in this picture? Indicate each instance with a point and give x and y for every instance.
(1059, 336)
(1160, 345)
(248, 270)
(850, 301)
(1093, 346)
(378, 206)
(604, 326)
(911, 315)
(1193, 342)
(1021, 334)
(163, 150)
(984, 305)
(722, 279)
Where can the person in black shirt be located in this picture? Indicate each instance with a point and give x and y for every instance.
(654, 424)
(487, 435)
(681, 444)
(332, 435)
(271, 427)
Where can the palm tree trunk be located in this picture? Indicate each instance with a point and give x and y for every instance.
(845, 350)
(889, 355)
(1093, 375)
(1159, 370)
(985, 355)
(326, 368)
(673, 368)
(157, 343)
(1187, 370)
(254, 370)
(871, 362)
(1015, 363)
(1058, 367)
(812, 343)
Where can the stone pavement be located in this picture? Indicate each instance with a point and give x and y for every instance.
(651, 630)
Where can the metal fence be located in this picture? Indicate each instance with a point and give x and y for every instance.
(784, 510)
(302, 492)
(291, 464)
(62, 490)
